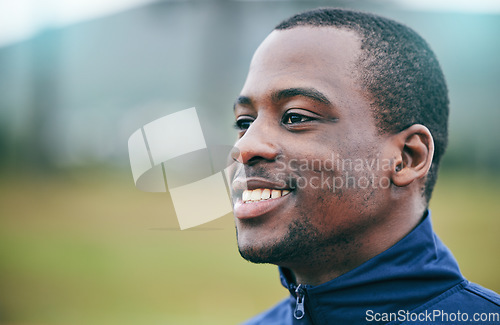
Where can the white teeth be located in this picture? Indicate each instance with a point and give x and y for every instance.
(255, 196)
(261, 194)
(246, 196)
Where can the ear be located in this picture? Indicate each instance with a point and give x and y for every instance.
(415, 149)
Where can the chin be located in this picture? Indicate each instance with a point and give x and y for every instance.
(260, 254)
(276, 249)
(254, 248)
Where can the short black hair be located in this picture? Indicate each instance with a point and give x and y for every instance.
(399, 71)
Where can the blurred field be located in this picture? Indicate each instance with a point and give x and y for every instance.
(88, 248)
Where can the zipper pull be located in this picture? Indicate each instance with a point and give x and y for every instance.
(299, 308)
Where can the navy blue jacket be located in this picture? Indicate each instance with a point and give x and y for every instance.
(416, 281)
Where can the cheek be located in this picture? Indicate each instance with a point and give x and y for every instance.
(337, 198)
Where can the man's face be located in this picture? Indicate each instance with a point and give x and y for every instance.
(306, 131)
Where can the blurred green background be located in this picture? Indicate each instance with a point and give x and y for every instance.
(79, 244)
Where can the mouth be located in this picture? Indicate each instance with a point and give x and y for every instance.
(262, 194)
(253, 198)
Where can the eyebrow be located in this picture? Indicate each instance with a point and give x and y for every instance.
(279, 95)
(311, 93)
(242, 100)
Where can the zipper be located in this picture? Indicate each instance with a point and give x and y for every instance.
(299, 311)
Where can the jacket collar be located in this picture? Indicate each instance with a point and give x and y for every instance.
(403, 277)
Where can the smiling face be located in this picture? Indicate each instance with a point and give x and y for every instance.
(309, 181)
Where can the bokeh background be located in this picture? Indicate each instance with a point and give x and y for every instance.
(80, 245)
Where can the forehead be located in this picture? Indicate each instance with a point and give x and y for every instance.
(302, 56)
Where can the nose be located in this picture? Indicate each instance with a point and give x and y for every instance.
(257, 144)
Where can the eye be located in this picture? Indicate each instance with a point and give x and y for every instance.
(243, 123)
(293, 118)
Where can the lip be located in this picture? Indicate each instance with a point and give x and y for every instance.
(256, 209)
(240, 184)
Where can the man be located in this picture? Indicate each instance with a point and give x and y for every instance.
(342, 123)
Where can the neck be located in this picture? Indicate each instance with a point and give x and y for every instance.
(334, 261)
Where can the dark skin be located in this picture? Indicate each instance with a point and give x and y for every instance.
(301, 103)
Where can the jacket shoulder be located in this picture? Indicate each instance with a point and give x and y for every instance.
(274, 316)
(465, 297)
(483, 293)
(468, 297)
(471, 301)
